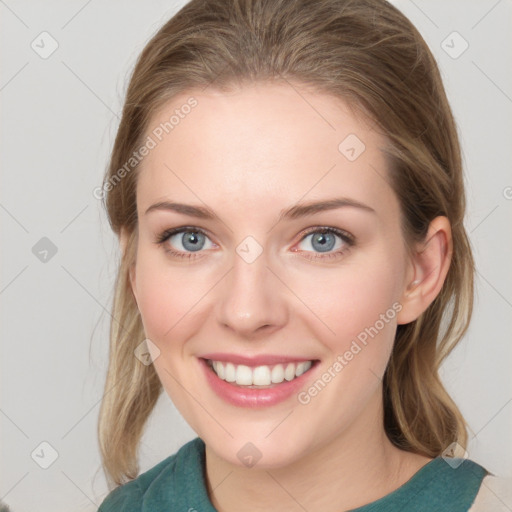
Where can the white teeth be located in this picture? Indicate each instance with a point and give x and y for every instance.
(261, 375)
(289, 373)
(220, 370)
(301, 368)
(243, 375)
(277, 374)
(230, 372)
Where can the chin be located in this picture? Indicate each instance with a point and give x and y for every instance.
(273, 452)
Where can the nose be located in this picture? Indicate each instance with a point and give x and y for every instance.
(252, 301)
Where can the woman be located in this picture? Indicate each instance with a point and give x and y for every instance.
(287, 188)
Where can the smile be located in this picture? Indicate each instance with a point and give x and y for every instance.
(260, 385)
(258, 376)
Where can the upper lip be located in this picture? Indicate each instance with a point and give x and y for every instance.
(263, 359)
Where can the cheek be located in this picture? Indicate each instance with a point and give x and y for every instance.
(165, 297)
(339, 304)
(348, 301)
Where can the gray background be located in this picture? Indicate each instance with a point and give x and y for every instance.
(59, 118)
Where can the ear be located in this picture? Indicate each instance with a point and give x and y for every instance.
(427, 270)
(123, 241)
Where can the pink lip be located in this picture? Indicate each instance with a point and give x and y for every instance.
(267, 360)
(253, 397)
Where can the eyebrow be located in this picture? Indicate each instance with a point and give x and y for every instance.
(295, 212)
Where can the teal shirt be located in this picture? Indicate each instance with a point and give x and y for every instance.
(179, 483)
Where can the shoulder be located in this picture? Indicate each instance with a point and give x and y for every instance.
(130, 496)
(442, 484)
(494, 494)
(453, 482)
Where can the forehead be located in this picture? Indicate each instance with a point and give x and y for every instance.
(260, 146)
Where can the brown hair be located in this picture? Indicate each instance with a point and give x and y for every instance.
(367, 53)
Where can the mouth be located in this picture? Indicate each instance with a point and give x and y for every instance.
(262, 376)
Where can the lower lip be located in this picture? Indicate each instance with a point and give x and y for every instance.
(253, 397)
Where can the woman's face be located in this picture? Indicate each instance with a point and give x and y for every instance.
(258, 282)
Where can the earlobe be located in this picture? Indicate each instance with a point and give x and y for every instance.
(430, 265)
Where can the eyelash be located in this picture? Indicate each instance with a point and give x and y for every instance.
(347, 238)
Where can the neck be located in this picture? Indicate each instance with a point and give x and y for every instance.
(355, 467)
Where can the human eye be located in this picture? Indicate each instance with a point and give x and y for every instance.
(190, 238)
(323, 239)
